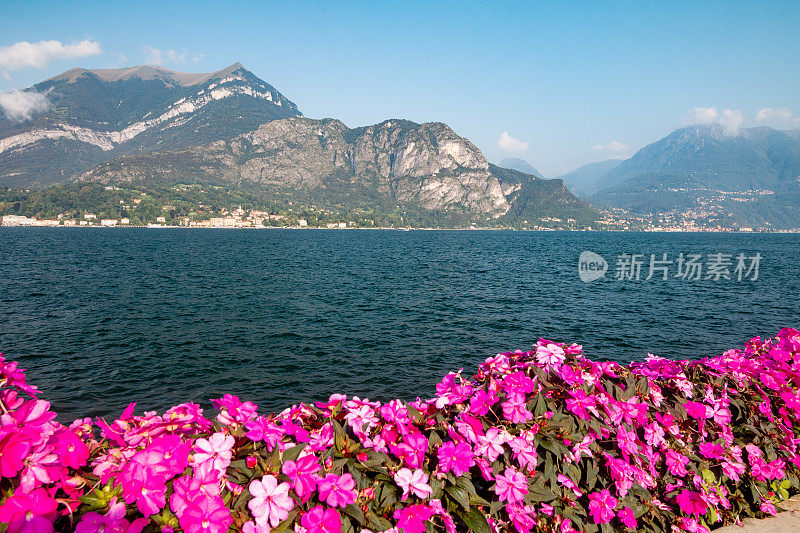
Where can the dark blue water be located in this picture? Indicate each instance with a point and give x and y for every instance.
(102, 317)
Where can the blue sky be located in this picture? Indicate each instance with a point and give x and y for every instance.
(567, 82)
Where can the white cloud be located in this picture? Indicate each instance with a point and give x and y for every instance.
(614, 147)
(507, 143)
(155, 56)
(778, 116)
(729, 119)
(198, 58)
(24, 54)
(22, 105)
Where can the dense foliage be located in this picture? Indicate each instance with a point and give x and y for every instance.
(540, 440)
(342, 199)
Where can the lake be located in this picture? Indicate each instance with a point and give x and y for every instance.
(101, 317)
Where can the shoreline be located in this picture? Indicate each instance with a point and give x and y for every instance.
(160, 227)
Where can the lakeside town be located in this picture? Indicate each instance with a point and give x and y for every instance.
(240, 218)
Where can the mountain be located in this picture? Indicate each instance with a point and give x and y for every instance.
(751, 178)
(583, 180)
(325, 162)
(162, 131)
(533, 199)
(92, 116)
(515, 163)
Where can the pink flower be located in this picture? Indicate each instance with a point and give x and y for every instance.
(692, 502)
(601, 506)
(676, 463)
(550, 354)
(337, 491)
(455, 457)
(32, 512)
(271, 502)
(581, 404)
(522, 517)
(302, 474)
(416, 482)
(524, 452)
(186, 489)
(234, 411)
(216, 451)
(111, 522)
(206, 514)
(627, 517)
(321, 520)
(626, 441)
(412, 519)
(263, 429)
(511, 486)
(514, 409)
(571, 485)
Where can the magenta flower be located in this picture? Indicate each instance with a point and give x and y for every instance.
(711, 450)
(302, 474)
(321, 520)
(262, 429)
(416, 482)
(233, 410)
(111, 522)
(601, 506)
(70, 449)
(412, 519)
(206, 514)
(692, 502)
(481, 402)
(627, 517)
(337, 491)
(697, 410)
(455, 457)
(14, 448)
(271, 502)
(32, 512)
(512, 486)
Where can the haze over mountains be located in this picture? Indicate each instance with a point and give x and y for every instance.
(148, 125)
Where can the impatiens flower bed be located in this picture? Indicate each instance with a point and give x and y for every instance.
(540, 440)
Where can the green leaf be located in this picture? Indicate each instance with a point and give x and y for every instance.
(459, 494)
(475, 520)
(294, 452)
(377, 523)
(355, 511)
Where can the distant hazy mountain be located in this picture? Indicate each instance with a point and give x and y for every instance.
(583, 180)
(93, 116)
(752, 177)
(515, 163)
(755, 158)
